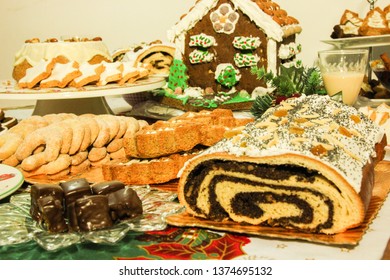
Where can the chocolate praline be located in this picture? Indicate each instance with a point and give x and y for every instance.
(42, 190)
(74, 189)
(107, 187)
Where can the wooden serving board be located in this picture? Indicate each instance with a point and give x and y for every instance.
(350, 237)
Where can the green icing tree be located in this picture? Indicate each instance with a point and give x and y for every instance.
(177, 75)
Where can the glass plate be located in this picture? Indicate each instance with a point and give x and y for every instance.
(361, 41)
(17, 226)
(9, 92)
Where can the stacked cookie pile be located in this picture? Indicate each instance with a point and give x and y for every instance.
(58, 145)
(375, 23)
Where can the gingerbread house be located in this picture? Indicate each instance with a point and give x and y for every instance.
(219, 41)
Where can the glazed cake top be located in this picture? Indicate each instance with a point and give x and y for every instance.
(74, 51)
(315, 126)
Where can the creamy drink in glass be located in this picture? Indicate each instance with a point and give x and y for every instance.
(343, 71)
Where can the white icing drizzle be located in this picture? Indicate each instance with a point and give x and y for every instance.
(271, 57)
(74, 51)
(271, 135)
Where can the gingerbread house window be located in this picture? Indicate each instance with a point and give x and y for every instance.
(246, 47)
(202, 43)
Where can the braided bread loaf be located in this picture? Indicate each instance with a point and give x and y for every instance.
(307, 164)
(182, 133)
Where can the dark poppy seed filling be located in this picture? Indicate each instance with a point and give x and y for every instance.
(254, 191)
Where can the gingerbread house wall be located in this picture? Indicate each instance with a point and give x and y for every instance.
(203, 74)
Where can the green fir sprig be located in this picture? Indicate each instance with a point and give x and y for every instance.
(291, 81)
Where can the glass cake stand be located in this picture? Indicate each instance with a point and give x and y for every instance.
(360, 42)
(89, 99)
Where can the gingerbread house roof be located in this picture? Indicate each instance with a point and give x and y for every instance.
(266, 14)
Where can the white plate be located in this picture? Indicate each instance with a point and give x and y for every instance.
(361, 41)
(11, 179)
(9, 92)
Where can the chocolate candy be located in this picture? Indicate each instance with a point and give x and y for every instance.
(42, 190)
(74, 189)
(107, 187)
(51, 210)
(90, 213)
(124, 203)
(87, 208)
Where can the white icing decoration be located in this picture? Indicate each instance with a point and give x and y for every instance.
(222, 67)
(274, 31)
(73, 51)
(376, 20)
(195, 92)
(110, 69)
(271, 57)
(350, 28)
(60, 71)
(202, 40)
(289, 50)
(198, 56)
(354, 20)
(177, 33)
(260, 91)
(224, 19)
(245, 60)
(32, 72)
(246, 43)
(361, 144)
(86, 70)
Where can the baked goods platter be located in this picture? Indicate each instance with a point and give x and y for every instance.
(10, 92)
(351, 237)
(56, 100)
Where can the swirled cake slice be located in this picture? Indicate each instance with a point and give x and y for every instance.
(307, 164)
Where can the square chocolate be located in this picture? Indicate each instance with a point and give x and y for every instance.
(51, 209)
(41, 190)
(74, 189)
(107, 187)
(124, 203)
(90, 213)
